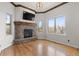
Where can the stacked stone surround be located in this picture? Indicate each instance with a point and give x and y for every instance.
(19, 29)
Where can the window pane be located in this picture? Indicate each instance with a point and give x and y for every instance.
(51, 26)
(8, 23)
(7, 19)
(8, 29)
(60, 25)
(40, 26)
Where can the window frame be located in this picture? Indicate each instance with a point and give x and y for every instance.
(64, 24)
(56, 26)
(48, 26)
(9, 24)
(38, 26)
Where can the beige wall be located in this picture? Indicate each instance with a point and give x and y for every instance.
(71, 12)
(6, 40)
(41, 17)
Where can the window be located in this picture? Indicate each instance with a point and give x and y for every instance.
(56, 25)
(51, 25)
(60, 25)
(40, 26)
(8, 23)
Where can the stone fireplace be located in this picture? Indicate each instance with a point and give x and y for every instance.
(24, 30)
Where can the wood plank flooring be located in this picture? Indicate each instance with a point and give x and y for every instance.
(39, 48)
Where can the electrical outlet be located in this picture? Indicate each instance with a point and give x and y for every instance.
(68, 41)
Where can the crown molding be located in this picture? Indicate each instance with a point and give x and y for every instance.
(55, 7)
(13, 4)
(25, 7)
(35, 10)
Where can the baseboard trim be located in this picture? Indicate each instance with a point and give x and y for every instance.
(25, 41)
(61, 43)
(7, 45)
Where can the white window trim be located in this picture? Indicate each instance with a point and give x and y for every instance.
(64, 34)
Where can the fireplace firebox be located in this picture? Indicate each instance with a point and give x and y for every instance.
(28, 33)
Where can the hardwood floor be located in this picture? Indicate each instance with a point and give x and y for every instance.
(39, 48)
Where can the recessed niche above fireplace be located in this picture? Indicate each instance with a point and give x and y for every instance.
(28, 16)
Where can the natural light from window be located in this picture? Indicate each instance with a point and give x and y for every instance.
(60, 25)
(40, 26)
(56, 25)
(51, 25)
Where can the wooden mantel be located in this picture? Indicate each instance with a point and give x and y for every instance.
(24, 22)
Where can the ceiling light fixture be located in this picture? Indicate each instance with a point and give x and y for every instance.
(39, 5)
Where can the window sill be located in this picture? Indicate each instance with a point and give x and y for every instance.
(58, 34)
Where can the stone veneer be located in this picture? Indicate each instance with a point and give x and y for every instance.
(19, 29)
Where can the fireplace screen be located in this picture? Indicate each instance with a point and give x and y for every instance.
(28, 33)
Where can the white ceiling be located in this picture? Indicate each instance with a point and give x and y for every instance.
(33, 5)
